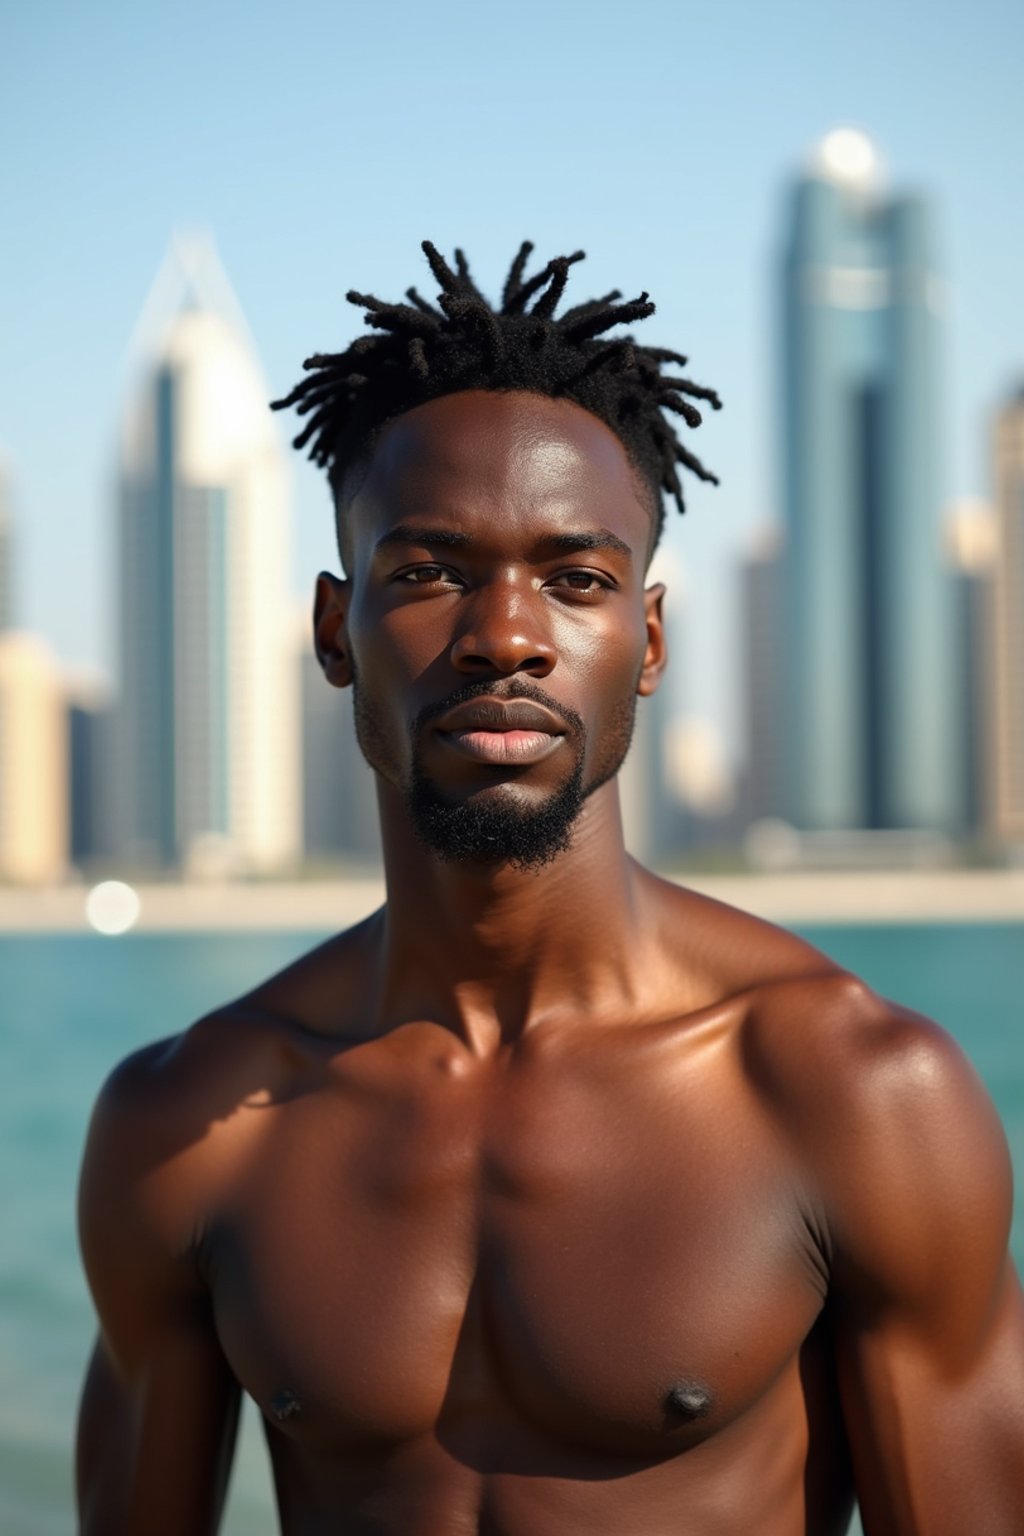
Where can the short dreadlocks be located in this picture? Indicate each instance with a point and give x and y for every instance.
(463, 344)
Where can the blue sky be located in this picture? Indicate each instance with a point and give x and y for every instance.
(321, 142)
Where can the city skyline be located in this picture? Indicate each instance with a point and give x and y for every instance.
(300, 161)
(168, 776)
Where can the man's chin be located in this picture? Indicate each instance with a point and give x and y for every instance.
(500, 826)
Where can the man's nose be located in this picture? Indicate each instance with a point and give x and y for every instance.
(504, 631)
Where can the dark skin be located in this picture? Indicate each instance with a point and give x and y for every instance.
(545, 1201)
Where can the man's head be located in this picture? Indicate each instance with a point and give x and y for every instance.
(495, 536)
(421, 353)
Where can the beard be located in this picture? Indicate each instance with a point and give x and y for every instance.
(495, 826)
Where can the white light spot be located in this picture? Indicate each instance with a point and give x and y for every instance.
(847, 155)
(112, 907)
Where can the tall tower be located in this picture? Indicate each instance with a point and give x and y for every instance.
(208, 740)
(33, 763)
(760, 577)
(971, 546)
(866, 606)
(1008, 799)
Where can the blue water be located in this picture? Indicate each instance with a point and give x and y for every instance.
(74, 1005)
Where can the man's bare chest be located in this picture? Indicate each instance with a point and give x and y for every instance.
(610, 1257)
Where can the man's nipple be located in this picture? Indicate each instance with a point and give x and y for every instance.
(687, 1401)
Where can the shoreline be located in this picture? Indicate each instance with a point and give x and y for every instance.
(798, 897)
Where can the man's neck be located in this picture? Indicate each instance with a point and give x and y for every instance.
(490, 951)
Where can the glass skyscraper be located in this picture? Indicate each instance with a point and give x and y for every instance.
(869, 711)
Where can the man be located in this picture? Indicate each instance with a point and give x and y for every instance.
(552, 1198)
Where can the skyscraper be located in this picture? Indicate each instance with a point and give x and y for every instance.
(208, 733)
(760, 577)
(971, 552)
(866, 606)
(33, 763)
(1008, 800)
(339, 794)
(90, 768)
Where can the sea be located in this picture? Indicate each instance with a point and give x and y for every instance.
(73, 1005)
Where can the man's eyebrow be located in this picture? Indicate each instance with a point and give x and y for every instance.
(550, 544)
(410, 533)
(576, 543)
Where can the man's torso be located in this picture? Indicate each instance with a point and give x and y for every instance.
(579, 1285)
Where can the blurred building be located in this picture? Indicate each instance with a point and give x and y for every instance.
(654, 822)
(869, 718)
(971, 551)
(33, 763)
(1008, 673)
(648, 821)
(761, 624)
(6, 562)
(207, 760)
(339, 797)
(91, 766)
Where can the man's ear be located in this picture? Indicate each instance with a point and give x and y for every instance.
(330, 636)
(656, 654)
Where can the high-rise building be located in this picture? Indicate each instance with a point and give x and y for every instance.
(91, 762)
(1008, 674)
(866, 610)
(761, 619)
(339, 797)
(208, 751)
(33, 763)
(971, 552)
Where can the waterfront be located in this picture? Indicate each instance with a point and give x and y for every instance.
(942, 895)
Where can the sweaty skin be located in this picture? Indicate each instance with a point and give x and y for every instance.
(548, 1200)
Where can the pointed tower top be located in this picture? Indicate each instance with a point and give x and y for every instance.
(190, 279)
(192, 324)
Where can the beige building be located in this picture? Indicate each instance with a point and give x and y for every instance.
(1008, 700)
(33, 763)
(971, 547)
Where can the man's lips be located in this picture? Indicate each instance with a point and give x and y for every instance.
(501, 731)
(515, 747)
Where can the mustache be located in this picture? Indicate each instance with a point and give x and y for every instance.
(514, 688)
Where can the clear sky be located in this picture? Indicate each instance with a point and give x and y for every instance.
(320, 142)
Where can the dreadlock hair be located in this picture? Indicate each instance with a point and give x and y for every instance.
(423, 352)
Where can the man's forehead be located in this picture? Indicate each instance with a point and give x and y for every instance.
(510, 454)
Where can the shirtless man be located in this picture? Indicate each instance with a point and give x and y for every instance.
(551, 1199)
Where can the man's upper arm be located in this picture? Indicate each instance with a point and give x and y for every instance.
(159, 1409)
(929, 1314)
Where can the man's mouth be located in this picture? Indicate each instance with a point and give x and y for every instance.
(502, 747)
(501, 731)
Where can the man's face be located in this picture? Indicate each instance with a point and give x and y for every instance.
(494, 621)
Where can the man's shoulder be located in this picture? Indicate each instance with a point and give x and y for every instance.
(727, 952)
(178, 1094)
(890, 1121)
(188, 1075)
(822, 1037)
(835, 1059)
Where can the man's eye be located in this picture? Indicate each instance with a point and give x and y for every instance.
(425, 575)
(581, 581)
